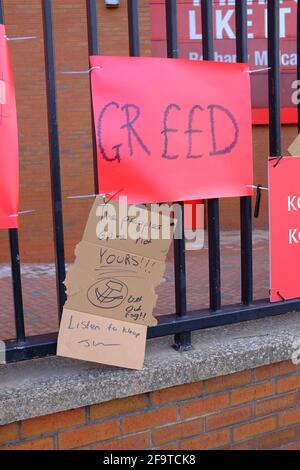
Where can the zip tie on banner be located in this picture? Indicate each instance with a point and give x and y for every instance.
(81, 72)
(258, 199)
(255, 187)
(259, 189)
(276, 158)
(87, 196)
(22, 213)
(281, 296)
(21, 38)
(257, 70)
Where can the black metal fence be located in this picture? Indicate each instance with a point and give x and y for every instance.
(182, 322)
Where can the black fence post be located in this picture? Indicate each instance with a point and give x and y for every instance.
(133, 28)
(182, 340)
(93, 48)
(212, 204)
(17, 284)
(245, 202)
(54, 154)
(274, 78)
(15, 264)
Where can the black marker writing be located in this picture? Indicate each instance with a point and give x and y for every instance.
(101, 147)
(129, 126)
(130, 120)
(214, 117)
(106, 258)
(191, 131)
(82, 325)
(87, 343)
(215, 151)
(167, 130)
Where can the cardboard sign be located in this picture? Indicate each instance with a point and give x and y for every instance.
(294, 148)
(98, 339)
(113, 294)
(111, 285)
(172, 130)
(144, 237)
(9, 164)
(115, 275)
(98, 258)
(284, 210)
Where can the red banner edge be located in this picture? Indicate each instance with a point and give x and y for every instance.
(260, 116)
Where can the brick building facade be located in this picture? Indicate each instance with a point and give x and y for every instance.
(251, 410)
(73, 95)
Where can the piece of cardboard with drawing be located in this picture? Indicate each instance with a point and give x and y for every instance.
(114, 294)
(111, 285)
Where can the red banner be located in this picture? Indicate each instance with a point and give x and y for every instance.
(9, 165)
(172, 130)
(190, 44)
(284, 207)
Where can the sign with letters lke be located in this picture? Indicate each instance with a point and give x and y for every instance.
(9, 160)
(284, 209)
(172, 129)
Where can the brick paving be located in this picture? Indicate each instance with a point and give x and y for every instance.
(39, 290)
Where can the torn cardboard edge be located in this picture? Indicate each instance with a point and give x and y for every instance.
(110, 289)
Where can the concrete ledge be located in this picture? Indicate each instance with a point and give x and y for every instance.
(45, 386)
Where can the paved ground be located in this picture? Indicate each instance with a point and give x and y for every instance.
(39, 291)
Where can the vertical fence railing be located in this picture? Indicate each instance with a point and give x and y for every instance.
(181, 323)
(274, 78)
(182, 340)
(133, 28)
(93, 49)
(245, 202)
(15, 264)
(212, 204)
(17, 284)
(54, 153)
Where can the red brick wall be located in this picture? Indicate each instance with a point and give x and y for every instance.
(24, 19)
(258, 409)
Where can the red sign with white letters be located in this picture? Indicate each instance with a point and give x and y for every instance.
(9, 165)
(284, 210)
(190, 44)
(172, 129)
